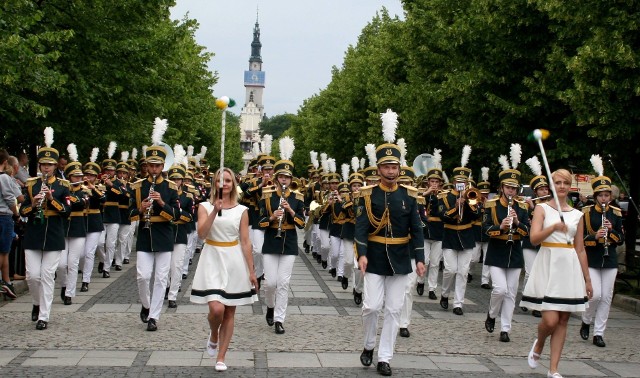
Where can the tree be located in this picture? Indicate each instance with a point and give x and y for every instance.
(277, 125)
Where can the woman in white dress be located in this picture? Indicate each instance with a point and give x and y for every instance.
(224, 277)
(559, 283)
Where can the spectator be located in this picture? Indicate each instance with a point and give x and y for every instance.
(16, 256)
(22, 174)
(62, 164)
(8, 210)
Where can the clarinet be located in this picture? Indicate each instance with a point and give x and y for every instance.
(147, 214)
(510, 232)
(281, 217)
(606, 230)
(41, 203)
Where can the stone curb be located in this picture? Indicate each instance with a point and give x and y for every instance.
(626, 303)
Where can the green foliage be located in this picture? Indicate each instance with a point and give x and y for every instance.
(276, 125)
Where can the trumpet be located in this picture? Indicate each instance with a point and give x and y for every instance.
(147, 214)
(510, 232)
(281, 217)
(473, 196)
(606, 230)
(41, 203)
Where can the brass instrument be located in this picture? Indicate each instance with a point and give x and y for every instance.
(147, 214)
(510, 232)
(294, 185)
(606, 230)
(473, 196)
(41, 203)
(281, 217)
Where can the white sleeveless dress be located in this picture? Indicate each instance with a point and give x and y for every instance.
(556, 282)
(222, 274)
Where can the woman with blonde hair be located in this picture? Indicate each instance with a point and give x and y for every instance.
(224, 277)
(559, 283)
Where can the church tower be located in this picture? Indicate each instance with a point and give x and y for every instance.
(253, 110)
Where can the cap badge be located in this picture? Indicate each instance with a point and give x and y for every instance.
(388, 152)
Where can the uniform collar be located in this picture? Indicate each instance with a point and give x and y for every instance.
(159, 179)
(389, 190)
(599, 208)
(503, 201)
(51, 179)
(286, 192)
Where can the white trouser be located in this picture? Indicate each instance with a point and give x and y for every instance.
(435, 255)
(503, 295)
(325, 244)
(111, 236)
(188, 253)
(477, 252)
(40, 272)
(90, 245)
(529, 257)
(68, 265)
(315, 237)
(132, 232)
(379, 289)
(123, 243)
(407, 306)
(335, 255)
(175, 274)
(347, 256)
(100, 248)
(192, 240)
(456, 268)
(308, 232)
(277, 270)
(145, 267)
(602, 281)
(257, 239)
(486, 276)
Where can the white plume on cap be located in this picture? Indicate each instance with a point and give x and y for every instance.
(94, 154)
(267, 139)
(355, 164)
(179, 155)
(323, 162)
(256, 148)
(504, 162)
(203, 151)
(73, 152)
(389, 125)
(484, 173)
(331, 163)
(112, 149)
(445, 177)
(466, 152)
(286, 148)
(48, 136)
(159, 128)
(363, 162)
(534, 165)
(124, 156)
(314, 159)
(370, 149)
(437, 158)
(189, 151)
(516, 155)
(144, 150)
(197, 158)
(134, 153)
(596, 162)
(402, 146)
(345, 172)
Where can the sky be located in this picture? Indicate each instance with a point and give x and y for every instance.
(301, 41)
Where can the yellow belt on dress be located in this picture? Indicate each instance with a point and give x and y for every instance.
(556, 245)
(216, 243)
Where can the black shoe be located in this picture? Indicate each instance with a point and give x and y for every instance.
(504, 337)
(490, 324)
(357, 297)
(100, 267)
(144, 314)
(125, 261)
(318, 258)
(62, 291)
(332, 271)
(384, 368)
(345, 283)
(41, 325)
(324, 265)
(184, 276)
(279, 328)
(118, 267)
(599, 341)
(441, 266)
(8, 290)
(458, 311)
(151, 325)
(584, 331)
(444, 302)
(190, 261)
(469, 277)
(306, 248)
(173, 304)
(339, 278)
(536, 313)
(166, 294)
(35, 311)
(105, 274)
(67, 301)
(420, 289)
(366, 357)
(197, 250)
(432, 295)
(486, 286)
(404, 332)
(85, 287)
(314, 254)
(269, 316)
(113, 263)
(524, 309)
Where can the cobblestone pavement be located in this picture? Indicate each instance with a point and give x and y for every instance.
(101, 335)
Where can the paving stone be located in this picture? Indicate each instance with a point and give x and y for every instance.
(293, 360)
(6, 355)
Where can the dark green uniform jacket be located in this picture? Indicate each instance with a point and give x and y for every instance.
(388, 226)
(434, 227)
(76, 225)
(458, 232)
(159, 237)
(94, 212)
(46, 233)
(595, 247)
(500, 252)
(111, 211)
(287, 243)
(184, 224)
(349, 216)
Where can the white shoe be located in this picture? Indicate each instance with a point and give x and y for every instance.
(221, 366)
(554, 375)
(212, 348)
(533, 357)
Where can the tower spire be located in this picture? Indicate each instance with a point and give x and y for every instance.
(256, 45)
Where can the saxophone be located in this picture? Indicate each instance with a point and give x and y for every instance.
(41, 203)
(147, 214)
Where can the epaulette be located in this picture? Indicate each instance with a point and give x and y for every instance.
(190, 187)
(421, 200)
(136, 185)
(188, 194)
(299, 196)
(267, 193)
(616, 210)
(31, 181)
(64, 183)
(522, 204)
(364, 191)
(443, 194)
(172, 185)
(587, 209)
(411, 191)
(490, 203)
